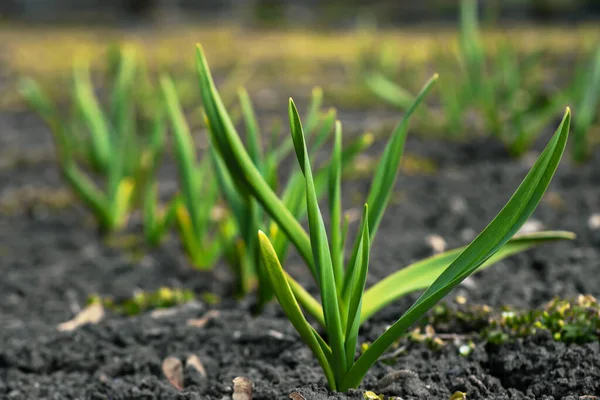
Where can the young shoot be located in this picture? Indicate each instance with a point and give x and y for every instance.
(344, 302)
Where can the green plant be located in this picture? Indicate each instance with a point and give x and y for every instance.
(502, 88)
(105, 142)
(342, 300)
(247, 215)
(199, 191)
(586, 95)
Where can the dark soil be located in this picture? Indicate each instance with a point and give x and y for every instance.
(51, 260)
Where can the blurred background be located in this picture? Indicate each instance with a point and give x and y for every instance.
(278, 49)
(290, 12)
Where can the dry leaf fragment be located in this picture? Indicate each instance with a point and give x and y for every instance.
(194, 362)
(173, 370)
(242, 388)
(92, 314)
(200, 322)
(296, 396)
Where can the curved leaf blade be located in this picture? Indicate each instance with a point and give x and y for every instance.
(290, 306)
(508, 221)
(320, 250)
(423, 273)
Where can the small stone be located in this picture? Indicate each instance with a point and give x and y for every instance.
(242, 388)
(467, 234)
(437, 243)
(469, 283)
(594, 222)
(531, 226)
(458, 205)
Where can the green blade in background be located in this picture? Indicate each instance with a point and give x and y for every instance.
(388, 91)
(231, 148)
(185, 155)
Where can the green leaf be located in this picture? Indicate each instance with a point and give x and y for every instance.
(325, 129)
(320, 250)
(388, 91)
(359, 278)
(186, 158)
(227, 141)
(291, 308)
(252, 128)
(312, 116)
(40, 102)
(508, 221)
(87, 103)
(586, 111)
(423, 273)
(385, 174)
(335, 207)
(123, 153)
(308, 302)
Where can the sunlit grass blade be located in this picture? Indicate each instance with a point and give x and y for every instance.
(586, 111)
(245, 219)
(89, 108)
(226, 139)
(156, 221)
(335, 207)
(386, 172)
(312, 116)
(89, 193)
(311, 305)
(508, 221)
(388, 91)
(324, 130)
(357, 290)
(185, 154)
(291, 308)
(320, 250)
(471, 47)
(123, 152)
(252, 128)
(423, 273)
(107, 211)
(293, 194)
(39, 101)
(356, 147)
(120, 103)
